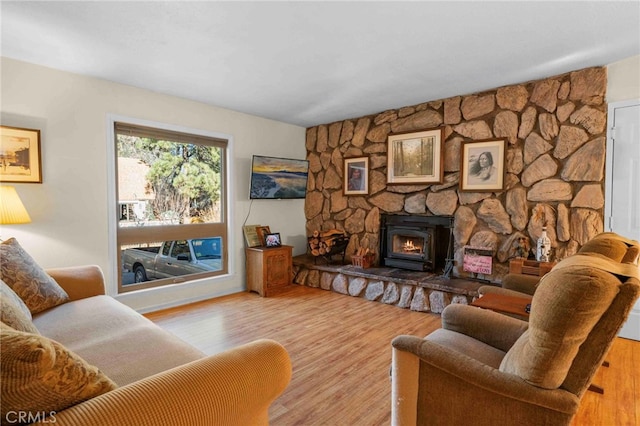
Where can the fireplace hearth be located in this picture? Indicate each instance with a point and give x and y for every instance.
(415, 242)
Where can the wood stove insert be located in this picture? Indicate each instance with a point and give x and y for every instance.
(415, 242)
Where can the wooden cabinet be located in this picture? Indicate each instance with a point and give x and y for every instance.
(269, 269)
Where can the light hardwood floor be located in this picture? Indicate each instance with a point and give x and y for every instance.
(341, 353)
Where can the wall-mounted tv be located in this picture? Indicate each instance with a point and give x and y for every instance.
(278, 178)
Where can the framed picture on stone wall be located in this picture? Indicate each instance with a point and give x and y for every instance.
(482, 165)
(415, 158)
(356, 176)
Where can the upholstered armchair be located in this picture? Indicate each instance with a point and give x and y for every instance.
(485, 368)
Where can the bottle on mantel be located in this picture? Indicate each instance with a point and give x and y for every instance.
(543, 246)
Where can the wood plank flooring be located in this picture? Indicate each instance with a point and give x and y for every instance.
(341, 353)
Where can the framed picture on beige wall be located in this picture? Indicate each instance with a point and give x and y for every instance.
(482, 165)
(415, 158)
(20, 155)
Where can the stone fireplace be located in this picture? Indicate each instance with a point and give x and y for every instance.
(415, 242)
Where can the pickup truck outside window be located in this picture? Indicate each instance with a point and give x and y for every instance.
(171, 190)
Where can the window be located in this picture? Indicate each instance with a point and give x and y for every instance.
(171, 194)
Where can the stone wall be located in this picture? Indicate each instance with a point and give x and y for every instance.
(556, 133)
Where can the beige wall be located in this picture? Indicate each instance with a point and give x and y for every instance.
(69, 210)
(624, 80)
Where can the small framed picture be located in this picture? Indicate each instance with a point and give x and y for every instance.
(262, 232)
(20, 155)
(273, 240)
(482, 166)
(415, 158)
(356, 176)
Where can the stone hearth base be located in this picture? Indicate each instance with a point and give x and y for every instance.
(418, 291)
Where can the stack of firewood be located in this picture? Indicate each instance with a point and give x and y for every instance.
(362, 251)
(321, 243)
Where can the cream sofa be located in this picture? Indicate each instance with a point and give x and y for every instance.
(160, 379)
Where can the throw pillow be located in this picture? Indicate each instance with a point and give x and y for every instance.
(34, 286)
(566, 306)
(40, 375)
(13, 311)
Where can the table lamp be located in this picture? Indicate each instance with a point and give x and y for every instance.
(12, 210)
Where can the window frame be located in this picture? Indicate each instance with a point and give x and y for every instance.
(167, 232)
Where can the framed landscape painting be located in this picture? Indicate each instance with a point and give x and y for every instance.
(482, 167)
(415, 158)
(20, 155)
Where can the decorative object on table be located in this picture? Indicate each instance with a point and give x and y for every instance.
(20, 155)
(251, 236)
(328, 243)
(262, 232)
(523, 248)
(482, 165)
(543, 246)
(356, 176)
(415, 158)
(363, 258)
(272, 240)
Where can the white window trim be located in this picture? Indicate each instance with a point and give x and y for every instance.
(112, 285)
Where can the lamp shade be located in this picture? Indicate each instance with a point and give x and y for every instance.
(11, 208)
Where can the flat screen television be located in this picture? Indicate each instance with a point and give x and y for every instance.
(275, 178)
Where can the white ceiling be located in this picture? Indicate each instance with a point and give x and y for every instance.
(309, 63)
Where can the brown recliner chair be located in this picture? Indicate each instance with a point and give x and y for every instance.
(486, 368)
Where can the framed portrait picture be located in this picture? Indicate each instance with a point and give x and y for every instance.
(273, 240)
(356, 176)
(262, 232)
(482, 166)
(20, 155)
(415, 158)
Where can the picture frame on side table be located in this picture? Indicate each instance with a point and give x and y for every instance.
(262, 232)
(356, 176)
(272, 240)
(251, 236)
(20, 157)
(482, 165)
(415, 158)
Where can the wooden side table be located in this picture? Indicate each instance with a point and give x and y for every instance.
(269, 269)
(509, 305)
(530, 267)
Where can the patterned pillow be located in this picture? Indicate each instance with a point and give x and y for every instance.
(40, 375)
(13, 311)
(37, 289)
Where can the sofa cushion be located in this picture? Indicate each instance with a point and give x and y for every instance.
(108, 334)
(40, 375)
(13, 311)
(34, 286)
(565, 308)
